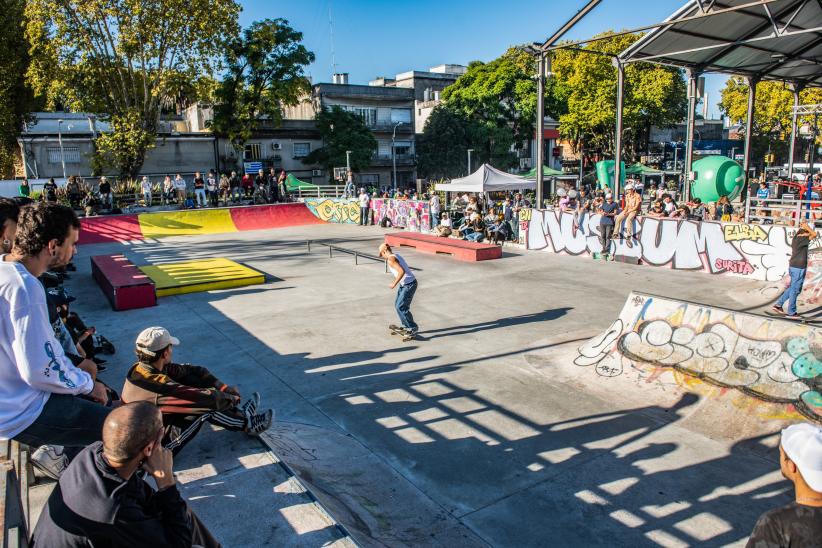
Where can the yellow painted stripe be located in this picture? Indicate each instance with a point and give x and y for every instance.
(204, 275)
(186, 223)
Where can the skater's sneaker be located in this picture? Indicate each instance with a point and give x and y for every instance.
(50, 460)
(778, 309)
(259, 423)
(249, 408)
(793, 317)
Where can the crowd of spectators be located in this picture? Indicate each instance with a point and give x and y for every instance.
(99, 444)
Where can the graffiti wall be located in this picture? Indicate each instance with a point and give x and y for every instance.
(409, 214)
(758, 252)
(335, 210)
(773, 360)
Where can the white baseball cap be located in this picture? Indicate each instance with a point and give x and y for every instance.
(153, 339)
(803, 445)
(629, 186)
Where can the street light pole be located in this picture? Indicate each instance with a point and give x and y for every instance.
(347, 161)
(394, 154)
(60, 140)
(470, 150)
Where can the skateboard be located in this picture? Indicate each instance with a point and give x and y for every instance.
(807, 321)
(397, 330)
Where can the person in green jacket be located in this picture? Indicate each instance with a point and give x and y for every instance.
(25, 189)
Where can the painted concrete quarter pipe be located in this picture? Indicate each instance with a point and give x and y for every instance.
(124, 228)
(773, 360)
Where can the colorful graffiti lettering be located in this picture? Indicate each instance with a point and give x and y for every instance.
(738, 232)
(334, 210)
(410, 214)
(772, 360)
(707, 246)
(737, 267)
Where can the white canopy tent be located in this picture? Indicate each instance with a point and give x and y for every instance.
(487, 179)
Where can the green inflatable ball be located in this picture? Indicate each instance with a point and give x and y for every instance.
(716, 176)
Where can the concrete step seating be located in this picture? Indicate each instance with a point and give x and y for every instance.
(460, 249)
(125, 285)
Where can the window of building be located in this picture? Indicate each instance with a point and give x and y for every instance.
(71, 155)
(402, 147)
(401, 115)
(301, 150)
(369, 178)
(253, 151)
(368, 114)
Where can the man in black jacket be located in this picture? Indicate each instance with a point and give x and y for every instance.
(101, 501)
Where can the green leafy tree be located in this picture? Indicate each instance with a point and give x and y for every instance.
(442, 149)
(265, 72)
(16, 98)
(122, 58)
(654, 96)
(341, 131)
(772, 108)
(501, 96)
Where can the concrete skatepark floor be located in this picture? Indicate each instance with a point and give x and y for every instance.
(481, 433)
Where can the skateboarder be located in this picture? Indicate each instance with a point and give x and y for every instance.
(797, 268)
(408, 286)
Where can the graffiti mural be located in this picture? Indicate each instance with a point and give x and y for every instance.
(335, 210)
(409, 214)
(770, 359)
(757, 252)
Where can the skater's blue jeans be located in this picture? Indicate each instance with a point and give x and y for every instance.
(793, 291)
(403, 304)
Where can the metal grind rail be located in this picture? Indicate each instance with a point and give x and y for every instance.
(357, 254)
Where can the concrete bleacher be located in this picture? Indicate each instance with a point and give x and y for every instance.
(459, 249)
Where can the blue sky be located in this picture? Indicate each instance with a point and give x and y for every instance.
(382, 38)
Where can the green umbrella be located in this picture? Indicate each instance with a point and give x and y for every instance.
(292, 183)
(640, 169)
(546, 171)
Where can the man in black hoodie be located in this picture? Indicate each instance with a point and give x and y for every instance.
(101, 501)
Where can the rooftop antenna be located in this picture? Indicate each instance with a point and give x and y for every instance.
(331, 31)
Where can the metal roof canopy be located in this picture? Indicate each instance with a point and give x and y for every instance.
(775, 40)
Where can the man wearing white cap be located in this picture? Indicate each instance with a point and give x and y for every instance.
(187, 395)
(632, 203)
(799, 523)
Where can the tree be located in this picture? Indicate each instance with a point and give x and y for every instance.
(265, 72)
(772, 108)
(16, 98)
(341, 131)
(122, 57)
(442, 149)
(501, 96)
(654, 95)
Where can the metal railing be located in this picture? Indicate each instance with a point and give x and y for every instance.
(320, 191)
(782, 211)
(357, 254)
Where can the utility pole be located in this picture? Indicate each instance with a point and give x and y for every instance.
(540, 140)
(60, 140)
(470, 150)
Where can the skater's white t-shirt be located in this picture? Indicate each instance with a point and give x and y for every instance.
(409, 276)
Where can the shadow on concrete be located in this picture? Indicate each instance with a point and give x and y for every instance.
(543, 316)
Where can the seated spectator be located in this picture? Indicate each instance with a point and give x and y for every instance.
(444, 229)
(668, 205)
(473, 206)
(724, 209)
(187, 395)
(499, 231)
(798, 523)
(697, 210)
(248, 185)
(9, 211)
(101, 500)
(682, 212)
(104, 188)
(477, 227)
(656, 210)
(38, 383)
(710, 213)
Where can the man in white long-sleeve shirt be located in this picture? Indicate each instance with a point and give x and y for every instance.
(39, 386)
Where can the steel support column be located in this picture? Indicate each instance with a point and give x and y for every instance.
(749, 116)
(794, 128)
(618, 142)
(693, 76)
(540, 137)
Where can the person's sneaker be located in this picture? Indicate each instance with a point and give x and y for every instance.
(50, 460)
(250, 406)
(258, 424)
(793, 317)
(778, 309)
